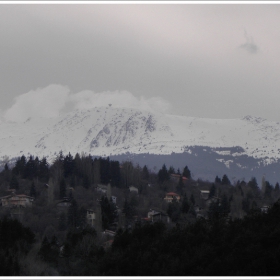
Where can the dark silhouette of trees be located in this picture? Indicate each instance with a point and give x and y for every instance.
(225, 180)
(14, 182)
(187, 172)
(62, 188)
(163, 174)
(33, 192)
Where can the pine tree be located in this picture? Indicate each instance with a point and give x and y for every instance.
(225, 180)
(44, 170)
(30, 171)
(86, 182)
(187, 172)
(277, 187)
(171, 170)
(108, 211)
(185, 204)
(62, 189)
(115, 173)
(163, 174)
(14, 182)
(20, 166)
(145, 173)
(174, 210)
(218, 180)
(73, 214)
(180, 185)
(6, 168)
(212, 191)
(68, 165)
(33, 192)
(192, 200)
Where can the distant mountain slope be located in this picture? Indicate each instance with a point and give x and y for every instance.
(108, 131)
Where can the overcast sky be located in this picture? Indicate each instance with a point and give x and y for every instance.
(201, 60)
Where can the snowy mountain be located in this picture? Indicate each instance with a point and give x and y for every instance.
(108, 131)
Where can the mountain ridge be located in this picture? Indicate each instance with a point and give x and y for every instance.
(109, 131)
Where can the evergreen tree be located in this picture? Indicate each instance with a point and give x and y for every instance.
(86, 182)
(171, 170)
(62, 188)
(224, 206)
(68, 165)
(185, 204)
(20, 166)
(108, 211)
(62, 225)
(174, 210)
(115, 173)
(192, 200)
(268, 190)
(225, 180)
(128, 211)
(43, 170)
(180, 185)
(33, 192)
(73, 214)
(253, 184)
(212, 191)
(6, 168)
(218, 180)
(30, 170)
(163, 174)
(187, 172)
(105, 170)
(276, 188)
(14, 182)
(145, 173)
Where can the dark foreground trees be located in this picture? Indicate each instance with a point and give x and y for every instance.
(220, 247)
(216, 247)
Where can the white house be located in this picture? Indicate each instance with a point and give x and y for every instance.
(133, 189)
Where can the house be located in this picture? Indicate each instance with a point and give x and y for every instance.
(133, 189)
(65, 202)
(156, 216)
(109, 233)
(114, 199)
(170, 196)
(213, 199)
(91, 217)
(17, 200)
(101, 188)
(265, 209)
(204, 194)
(176, 177)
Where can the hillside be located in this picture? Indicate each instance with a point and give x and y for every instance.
(108, 131)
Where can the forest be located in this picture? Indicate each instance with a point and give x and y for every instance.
(218, 228)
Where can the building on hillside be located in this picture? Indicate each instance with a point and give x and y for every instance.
(91, 217)
(158, 216)
(265, 208)
(133, 189)
(213, 199)
(204, 194)
(176, 178)
(170, 196)
(114, 199)
(101, 188)
(17, 200)
(65, 202)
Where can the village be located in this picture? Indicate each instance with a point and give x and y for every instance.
(176, 200)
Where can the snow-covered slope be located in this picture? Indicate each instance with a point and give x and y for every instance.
(109, 131)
